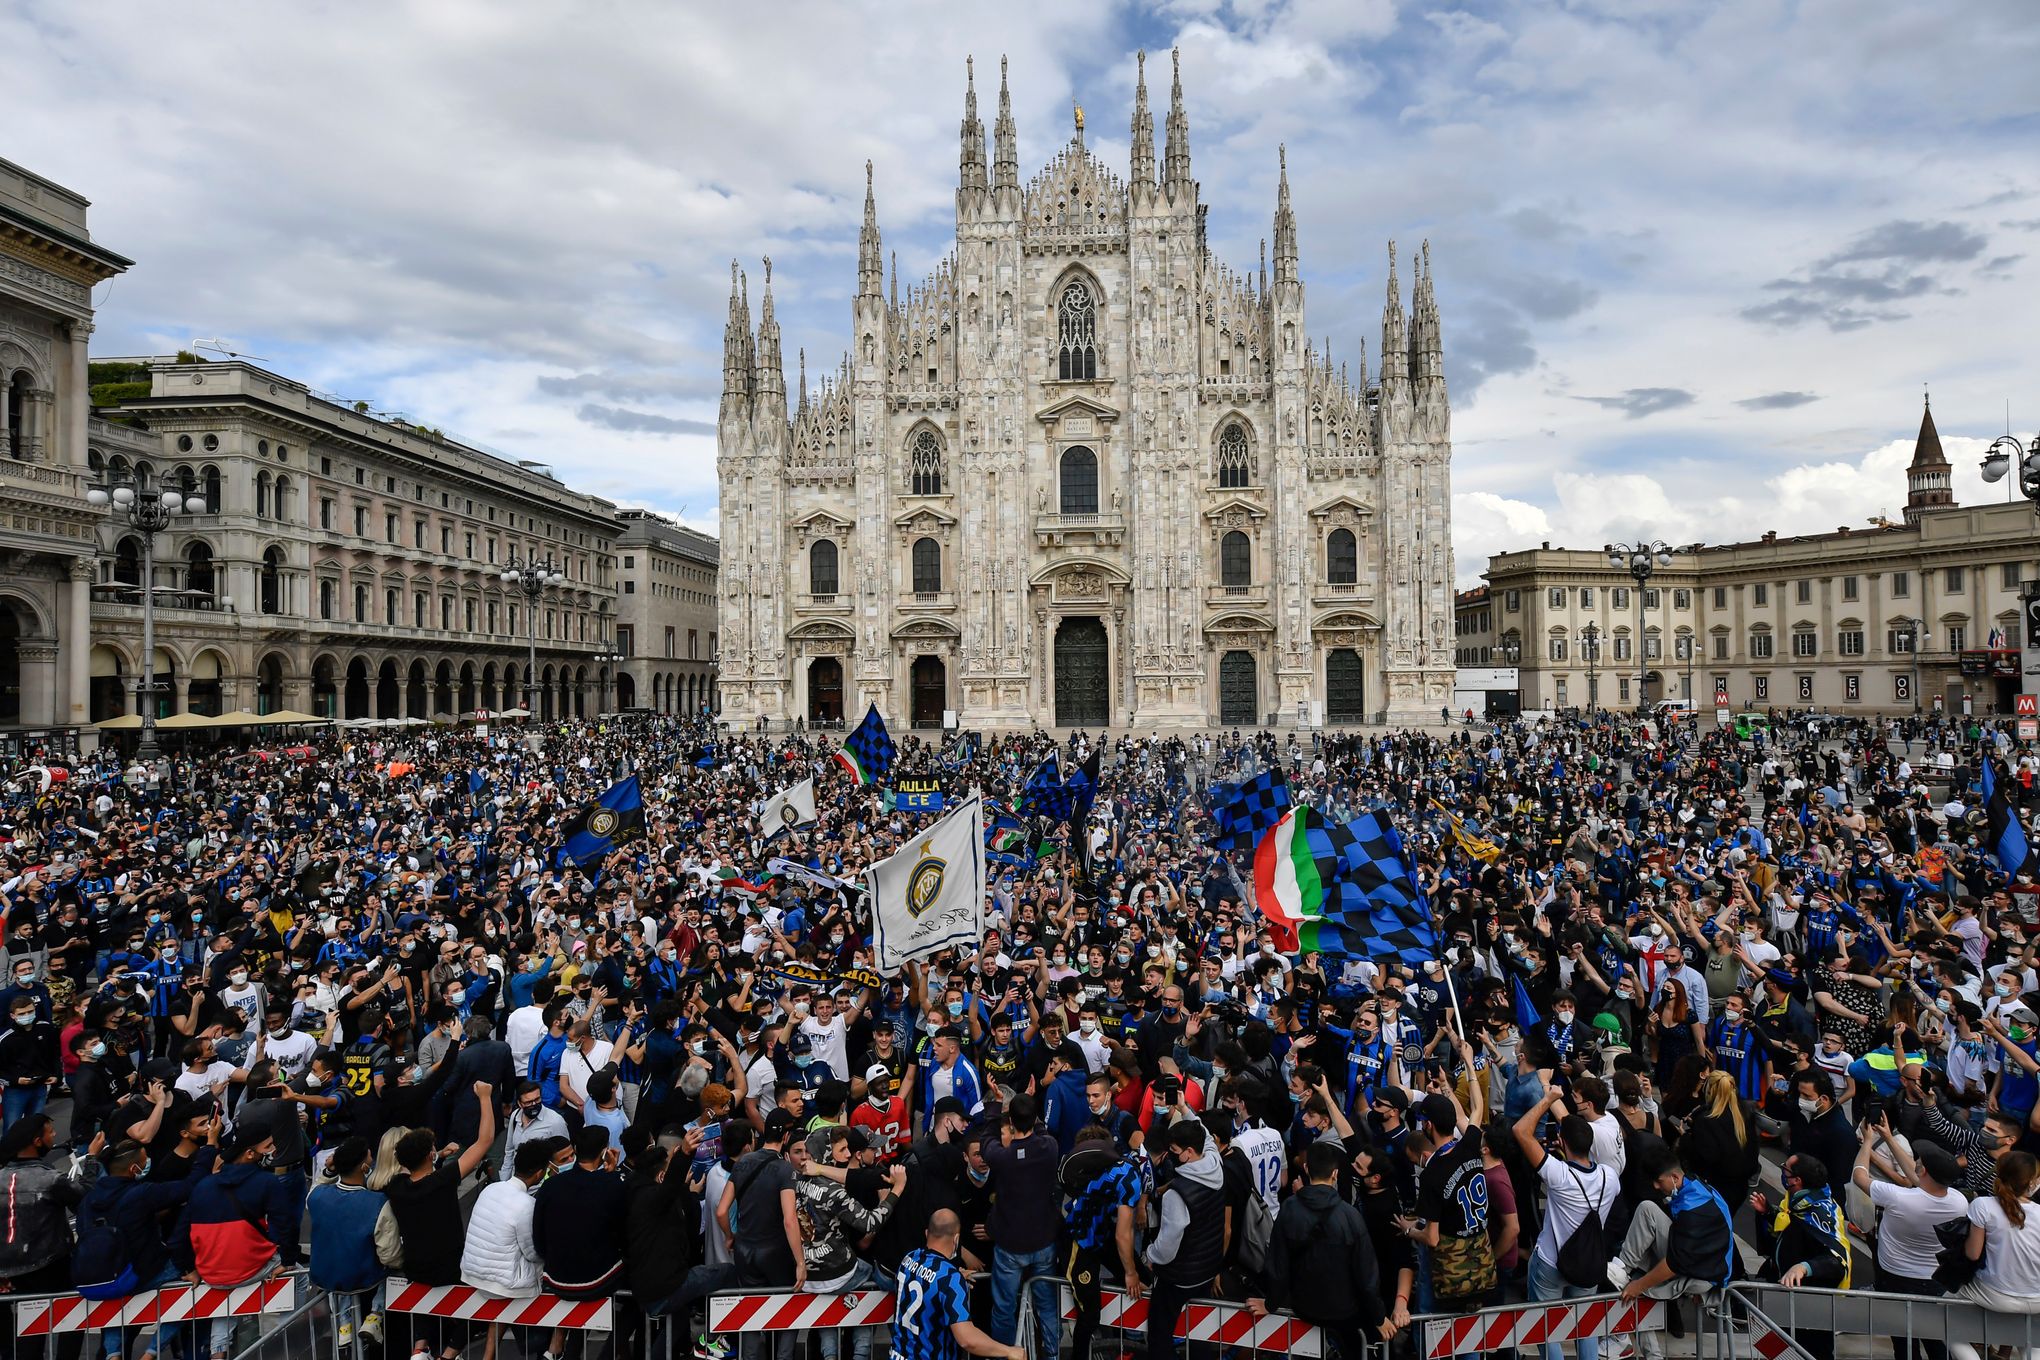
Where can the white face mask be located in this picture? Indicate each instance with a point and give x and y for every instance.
(1809, 1108)
(239, 979)
(1088, 1026)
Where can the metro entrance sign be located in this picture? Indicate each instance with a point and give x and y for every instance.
(2026, 705)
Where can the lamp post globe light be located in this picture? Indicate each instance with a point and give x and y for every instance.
(150, 512)
(605, 661)
(1641, 560)
(1915, 637)
(1998, 458)
(533, 579)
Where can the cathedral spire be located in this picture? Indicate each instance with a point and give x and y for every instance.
(736, 346)
(1285, 227)
(1176, 169)
(1005, 141)
(1264, 266)
(973, 156)
(1143, 126)
(803, 380)
(896, 282)
(870, 263)
(1426, 349)
(768, 378)
(1394, 348)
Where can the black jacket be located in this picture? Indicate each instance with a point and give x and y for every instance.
(577, 1224)
(662, 1234)
(1321, 1261)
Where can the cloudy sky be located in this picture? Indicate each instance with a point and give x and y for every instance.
(1696, 261)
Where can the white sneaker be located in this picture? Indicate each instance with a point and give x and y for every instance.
(1618, 1274)
(346, 1335)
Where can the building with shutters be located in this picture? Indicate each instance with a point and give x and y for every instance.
(1086, 475)
(1895, 617)
(667, 636)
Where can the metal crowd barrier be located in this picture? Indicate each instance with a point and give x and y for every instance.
(1218, 1322)
(1559, 1323)
(467, 1304)
(1770, 1318)
(274, 1304)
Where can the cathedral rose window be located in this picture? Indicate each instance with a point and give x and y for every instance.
(1076, 334)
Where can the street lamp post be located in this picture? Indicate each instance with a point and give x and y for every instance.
(604, 661)
(1512, 657)
(1590, 648)
(1915, 638)
(150, 513)
(1686, 660)
(532, 578)
(1641, 560)
(1997, 460)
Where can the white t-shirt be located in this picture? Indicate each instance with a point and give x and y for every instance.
(2011, 1256)
(293, 1053)
(829, 1042)
(522, 1031)
(1906, 1244)
(1264, 1151)
(248, 999)
(575, 1069)
(199, 1085)
(1609, 1150)
(1570, 1194)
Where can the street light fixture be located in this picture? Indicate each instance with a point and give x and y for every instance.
(1915, 637)
(604, 661)
(1590, 648)
(1997, 461)
(533, 579)
(150, 512)
(1641, 560)
(1686, 660)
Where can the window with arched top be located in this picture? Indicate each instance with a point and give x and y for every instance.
(927, 566)
(1076, 327)
(261, 495)
(210, 478)
(1235, 560)
(283, 498)
(272, 581)
(822, 568)
(198, 569)
(925, 462)
(1235, 457)
(127, 561)
(1342, 558)
(1078, 485)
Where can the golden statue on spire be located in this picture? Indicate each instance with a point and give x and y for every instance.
(1080, 117)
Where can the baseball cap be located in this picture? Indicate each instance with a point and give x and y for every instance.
(948, 1105)
(1437, 1111)
(1394, 1097)
(877, 1073)
(776, 1124)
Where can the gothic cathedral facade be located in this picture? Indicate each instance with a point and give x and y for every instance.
(1085, 475)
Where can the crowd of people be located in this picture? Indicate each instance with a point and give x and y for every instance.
(351, 1008)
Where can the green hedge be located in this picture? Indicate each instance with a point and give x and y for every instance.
(114, 393)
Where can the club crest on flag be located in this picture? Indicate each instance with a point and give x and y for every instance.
(603, 822)
(924, 882)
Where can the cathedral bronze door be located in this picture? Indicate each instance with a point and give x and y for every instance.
(1083, 678)
(931, 691)
(1236, 696)
(1345, 692)
(825, 690)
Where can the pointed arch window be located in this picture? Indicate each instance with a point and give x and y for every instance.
(927, 566)
(1076, 316)
(925, 461)
(1235, 457)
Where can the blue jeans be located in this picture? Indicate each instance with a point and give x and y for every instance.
(1548, 1286)
(118, 1341)
(22, 1100)
(1009, 1271)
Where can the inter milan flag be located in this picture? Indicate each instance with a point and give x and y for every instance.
(1084, 786)
(2003, 837)
(1046, 795)
(1247, 809)
(868, 752)
(594, 831)
(1346, 891)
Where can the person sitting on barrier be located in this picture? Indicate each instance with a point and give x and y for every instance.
(833, 1223)
(1806, 1240)
(1321, 1261)
(1375, 1196)
(931, 1305)
(1686, 1245)
(231, 1229)
(500, 1259)
(758, 1211)
(2004, 1234)
(343, 1213)
(424, 1202)
(662, 1225)
(578, 1220)
(1102, 1193)
(1190, 1245)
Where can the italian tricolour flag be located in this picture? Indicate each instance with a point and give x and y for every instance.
(1288, 887)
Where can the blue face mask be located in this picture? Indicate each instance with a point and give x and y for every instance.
(956, 1008)
(802, 1059)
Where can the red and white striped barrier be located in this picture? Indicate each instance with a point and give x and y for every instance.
(472, 1305)
(171, 1303)
(1557, 1324)
(1204, 1320)
(738, 1313)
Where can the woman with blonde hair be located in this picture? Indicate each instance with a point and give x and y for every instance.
(2004, 1234)
(1719, 1145)
(386, 1168)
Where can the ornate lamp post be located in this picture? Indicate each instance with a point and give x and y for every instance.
(1915, 638)
(533, 579)
(1641, 560)
(1997, 460)
(150, 512)
(1590, 649)
(605, 660)
(1686, 660)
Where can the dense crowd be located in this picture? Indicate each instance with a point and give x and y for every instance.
(349, 1007)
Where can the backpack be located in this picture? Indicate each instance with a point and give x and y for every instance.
(1257, 1230)
(100, 1265)
(1583, 1257)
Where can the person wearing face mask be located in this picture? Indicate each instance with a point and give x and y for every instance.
(529, 1122)
(1569, 1037)
(1818, 1127)
(30, 1065)
(951, 1075)
(2017, 1034)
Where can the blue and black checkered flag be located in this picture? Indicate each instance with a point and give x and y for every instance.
(1247, 809)
(867, 754)
(1378, 911)
(2003, 837)
(1083, 786)
(1046, 795)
